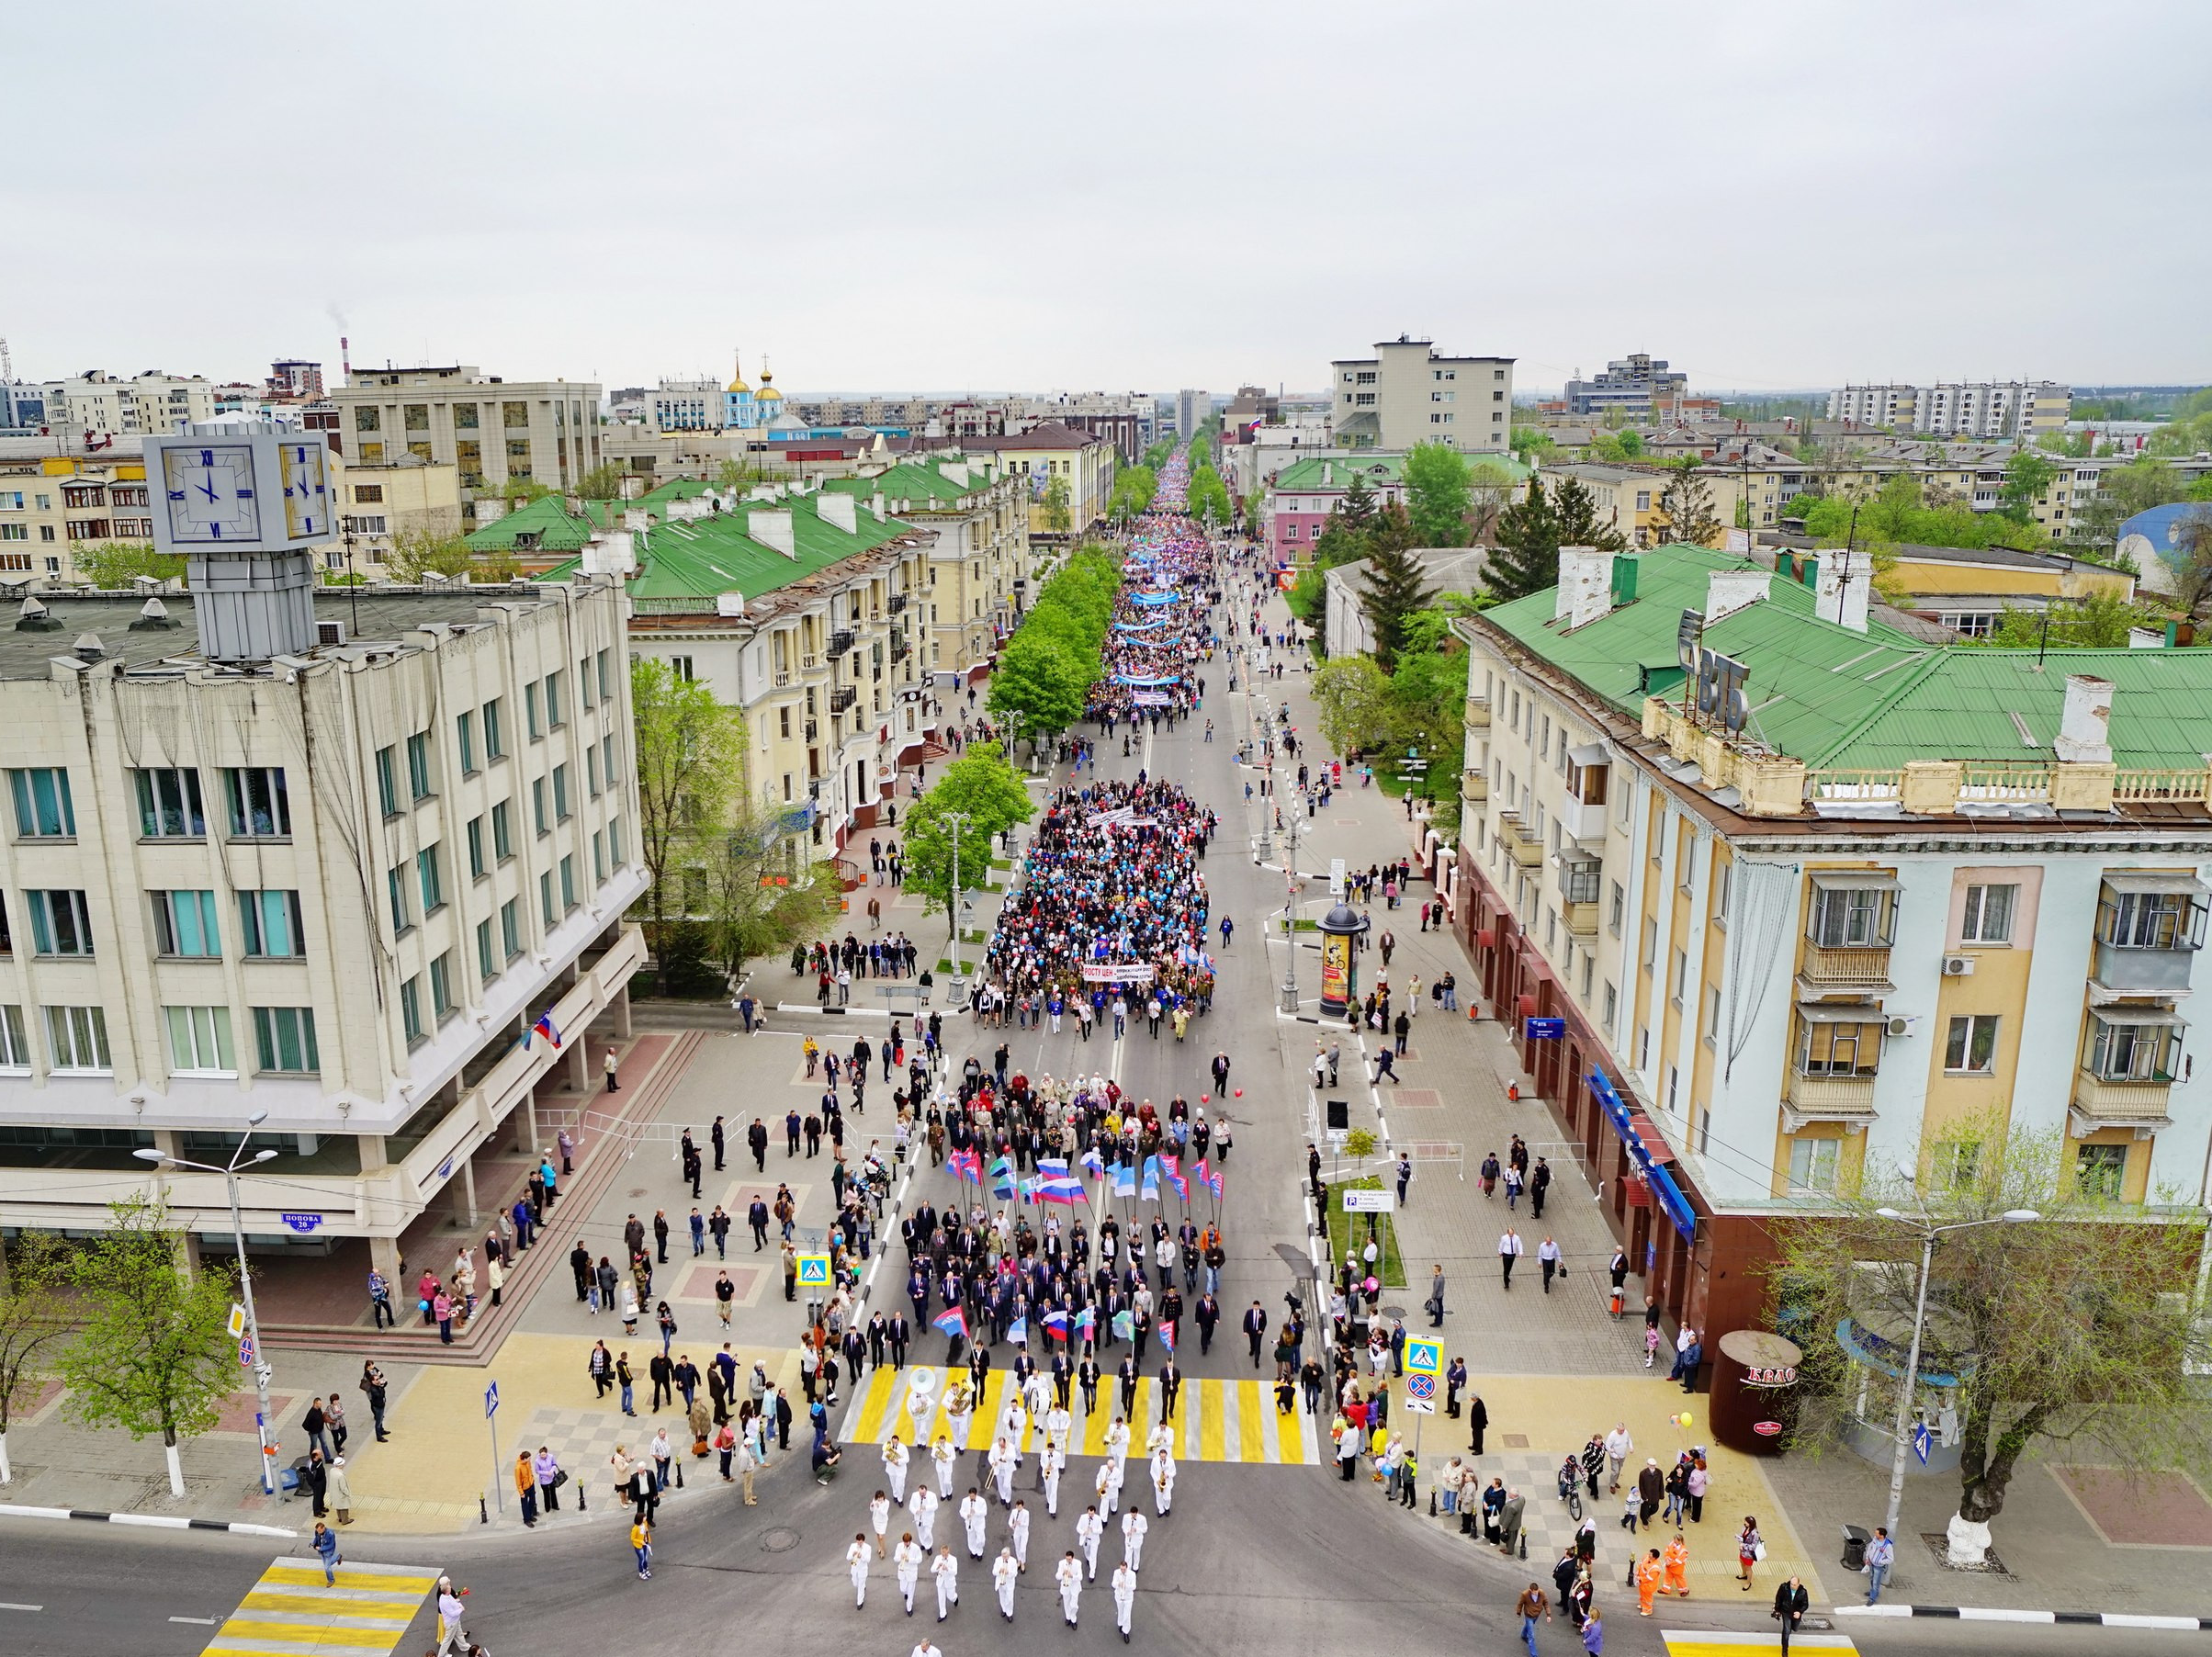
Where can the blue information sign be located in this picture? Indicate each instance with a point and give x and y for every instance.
(1544, 1029)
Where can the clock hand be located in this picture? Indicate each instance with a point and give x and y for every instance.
(207, 490)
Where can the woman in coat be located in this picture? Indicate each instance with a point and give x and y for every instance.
(341, 1492)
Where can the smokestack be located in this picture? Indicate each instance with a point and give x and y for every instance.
(346, 357)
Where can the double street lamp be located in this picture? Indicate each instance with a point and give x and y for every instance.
(1907, 1382)
(959, 820)
(245, 1279)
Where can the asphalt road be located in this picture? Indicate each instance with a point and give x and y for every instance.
(1255, 1559)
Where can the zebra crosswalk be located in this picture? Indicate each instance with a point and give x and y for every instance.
(1714, 1643)
(1215, 1420)
(292, 1612)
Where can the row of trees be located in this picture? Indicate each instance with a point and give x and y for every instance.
(1134, 487)
(727, 885)
(1045, 671)
(978, 798)
(139, 1344)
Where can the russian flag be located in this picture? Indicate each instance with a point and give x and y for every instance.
(546, 1028)
(1093, 1164)
(953, 1320)
(1056, 1324)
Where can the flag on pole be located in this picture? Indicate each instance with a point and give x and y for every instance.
(1125, 1180)
(1018, 1331)
(1056, 1324)
(966, 1165)
(1124, 1325)
(1171, 1163)
(1152, 1180)
(1002, 1177)
(1093, 1164)
(1087, 1324)
(1167, 1337)
(1213, 1181)
(952, 1321)
(546, 1028)
(1181, 1185)
(1055, 1184)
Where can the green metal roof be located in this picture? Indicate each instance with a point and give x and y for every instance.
(654, 502)
(547, 518)
(698, 557)
(916, 481)
(1834, 697)
(1378, 468)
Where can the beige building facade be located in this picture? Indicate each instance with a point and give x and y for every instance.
(1408, 392)
(489, 429)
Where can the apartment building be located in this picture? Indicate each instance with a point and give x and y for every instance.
(154, 401)
(1192, 410)
(1408, 393)
(336, 886)
(490, 428)
(980, 563)
(1084, 462)
(1632, 389)
(1811, 897)
(798, 608)
(2018, 411)
(52, 506)
(379, 505)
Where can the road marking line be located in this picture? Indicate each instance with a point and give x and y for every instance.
(206, 1622)
(11, 1606)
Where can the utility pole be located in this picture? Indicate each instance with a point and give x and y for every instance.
(960, 821)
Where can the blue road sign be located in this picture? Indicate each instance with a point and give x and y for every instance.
(492, 1401)
(1544, 1029)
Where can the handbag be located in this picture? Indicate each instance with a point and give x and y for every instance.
(561, 1477)
(1758, 1550)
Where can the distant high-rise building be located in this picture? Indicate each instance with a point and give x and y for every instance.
(1406, 394)
(1993, 411)
(295, 382)
(1192, 409)
(1635, 386)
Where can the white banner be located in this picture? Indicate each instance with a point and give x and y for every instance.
(1101, 973)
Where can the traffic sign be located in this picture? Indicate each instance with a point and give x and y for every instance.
(1420, 1386)
(238, 1320)
(492, 1401)
(1921, 1441)
(814, 1271)
(1336, 877)
(1420, 1406)
(1368, 1203)
(245, 1351)
(1425, 1359)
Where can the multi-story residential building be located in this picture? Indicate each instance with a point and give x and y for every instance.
(1124, 420)
(1965, 589)
(1632, 389)
(688, 405)
(336, 887)
(379, 505)
(492, 430)
(2017, 410)
(1043, 453)
(1251, 466)
(800, 609)
(1826, 901)
(1192, 410)
(980, 561)
(1627, 496)
(1408, 393)
(53, 505)
(1298, 504)
(154, 401)
(292, 381)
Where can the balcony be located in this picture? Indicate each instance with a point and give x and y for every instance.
(1523, 847)
(2101, 1102)
(1581, 879)
(840, 642)
(1477, 716)
(843, 697)
(900, 647)
(897, 604)
(813, 728)
(1864, 971)
(2149, 927)
(1847, 1097)
(1475, 786)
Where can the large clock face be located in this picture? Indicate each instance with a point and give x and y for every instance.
(306, 495)
(211, 494)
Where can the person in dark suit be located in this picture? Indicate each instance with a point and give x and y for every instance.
(1478, 1418)
(1063, 1376)
(1171, 1383)
(1086, 1377)
(1255, 1330)
(721, 1142)
(1125, 1374)
(896, 1332)
(1208, 1314)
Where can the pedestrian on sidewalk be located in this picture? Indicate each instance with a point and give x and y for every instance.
(1436, 1299)
(1882, 1553)
(1404, 1175)
(372, 1385)
(341, 1492)
(1751, 1548)
(1790, 1604)
(379, 1300)
(525, 1489)
(1509, 1250)
(566, 1140)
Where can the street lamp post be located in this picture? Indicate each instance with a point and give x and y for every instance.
(960, 821)
(262, 1371)
(1929, 1234)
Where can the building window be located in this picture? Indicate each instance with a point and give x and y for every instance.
(388, 787)
(1838, 1049)
(1972, 1045)
(183, 924)
(418, 765)
(606, 758)
(465, 731)
(1812, 1164)
(1712, 1014)
(1852, 917)
(2101, 1170)
(441, 987)
(530, 710)
(615, 840)
(269, 923)
(553, 701)
(426, 874)
(1620, 908)
(1956, 1164)
(1989, 914)
(1650, 942)
(545, 899)
(15, 1051)
(43, 808)
(476, 848)
(591, 772)
(537, 804)
(200, 1041)
(599, 861)
(492, 749)
(485, 968)
(561, 793)
(511, 927)
(502, 831)
(568, 883)
(606, 675)
(260, 808)
(1681, 975)
(78, 1038)
(367, 420)
(369, 494)
(284, 1039)
(59, 923)
(410, 1011)
(2146, 1050)
(395, 890)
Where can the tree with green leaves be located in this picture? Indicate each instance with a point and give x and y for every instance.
(1575, 512)
(153, 1353)
(2102, 1351)
(1393, 586)
(112, 565)
(416, 553)
(988, 792)
(1437, 493)
(1356, 508)
(2026, 476)
(690, 760)
(1533, 444)
(1353, 695)
(757, 899)
(1053, 508)
(1527, 558)
(2098, 621)
(1687, 502)
(602, 482)
(1489, 491)
(37, 1315)
(1042, 681)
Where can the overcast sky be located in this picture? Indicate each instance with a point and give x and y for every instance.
(933, 196)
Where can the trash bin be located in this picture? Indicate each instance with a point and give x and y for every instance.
(1854, 1547)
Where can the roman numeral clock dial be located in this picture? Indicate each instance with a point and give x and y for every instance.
(212, 496)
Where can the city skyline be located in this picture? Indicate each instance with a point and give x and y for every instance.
(1788, 243)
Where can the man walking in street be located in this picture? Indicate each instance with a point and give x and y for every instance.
(1509, 1250)
(1436, 1296)
(1532, 1604)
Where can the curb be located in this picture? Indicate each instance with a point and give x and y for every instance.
(150, 1520)
(2110, 1620)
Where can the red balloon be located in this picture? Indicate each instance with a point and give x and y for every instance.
(1241, 1093)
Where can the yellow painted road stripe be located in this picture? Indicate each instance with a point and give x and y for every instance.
(875, 1405)
(983, 1426)
(1211, 1444)
(1095, 1422)
(311, 1633)
(1710, 1644)
(292, 1599)
(309, 1574)
(1251, 1412)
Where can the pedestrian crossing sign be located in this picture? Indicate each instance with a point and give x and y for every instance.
(814, 1271)
(1424, 1358)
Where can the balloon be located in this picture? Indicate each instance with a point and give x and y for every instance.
(1241, 1093)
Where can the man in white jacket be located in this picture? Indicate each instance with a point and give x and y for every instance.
(856, 1556)
(1124, 1596)
(1134, 1525)
(946, 1570)
(1004, 1571)
(1068, 1574)
(1163, 1482)
(906, 1559)
(894, 1468)
(974, 1510)
(1090, 1528)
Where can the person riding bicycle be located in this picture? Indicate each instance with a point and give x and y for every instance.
(1570, 1479)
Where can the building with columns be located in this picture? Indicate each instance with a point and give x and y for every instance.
(337, 886)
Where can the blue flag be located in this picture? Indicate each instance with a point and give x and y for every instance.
(1125, 1180)
(1152, 1180)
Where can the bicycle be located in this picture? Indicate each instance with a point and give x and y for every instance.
(1570, 1488)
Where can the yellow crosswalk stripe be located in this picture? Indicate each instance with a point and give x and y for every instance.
(1251, 1412)
(1212, 1443)
(292, 1612)
(1712, 1644)
(1215, 1420)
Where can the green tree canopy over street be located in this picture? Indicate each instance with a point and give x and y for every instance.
(1045, 671)
(982, 786)
(1438, 493)
(691, 765)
